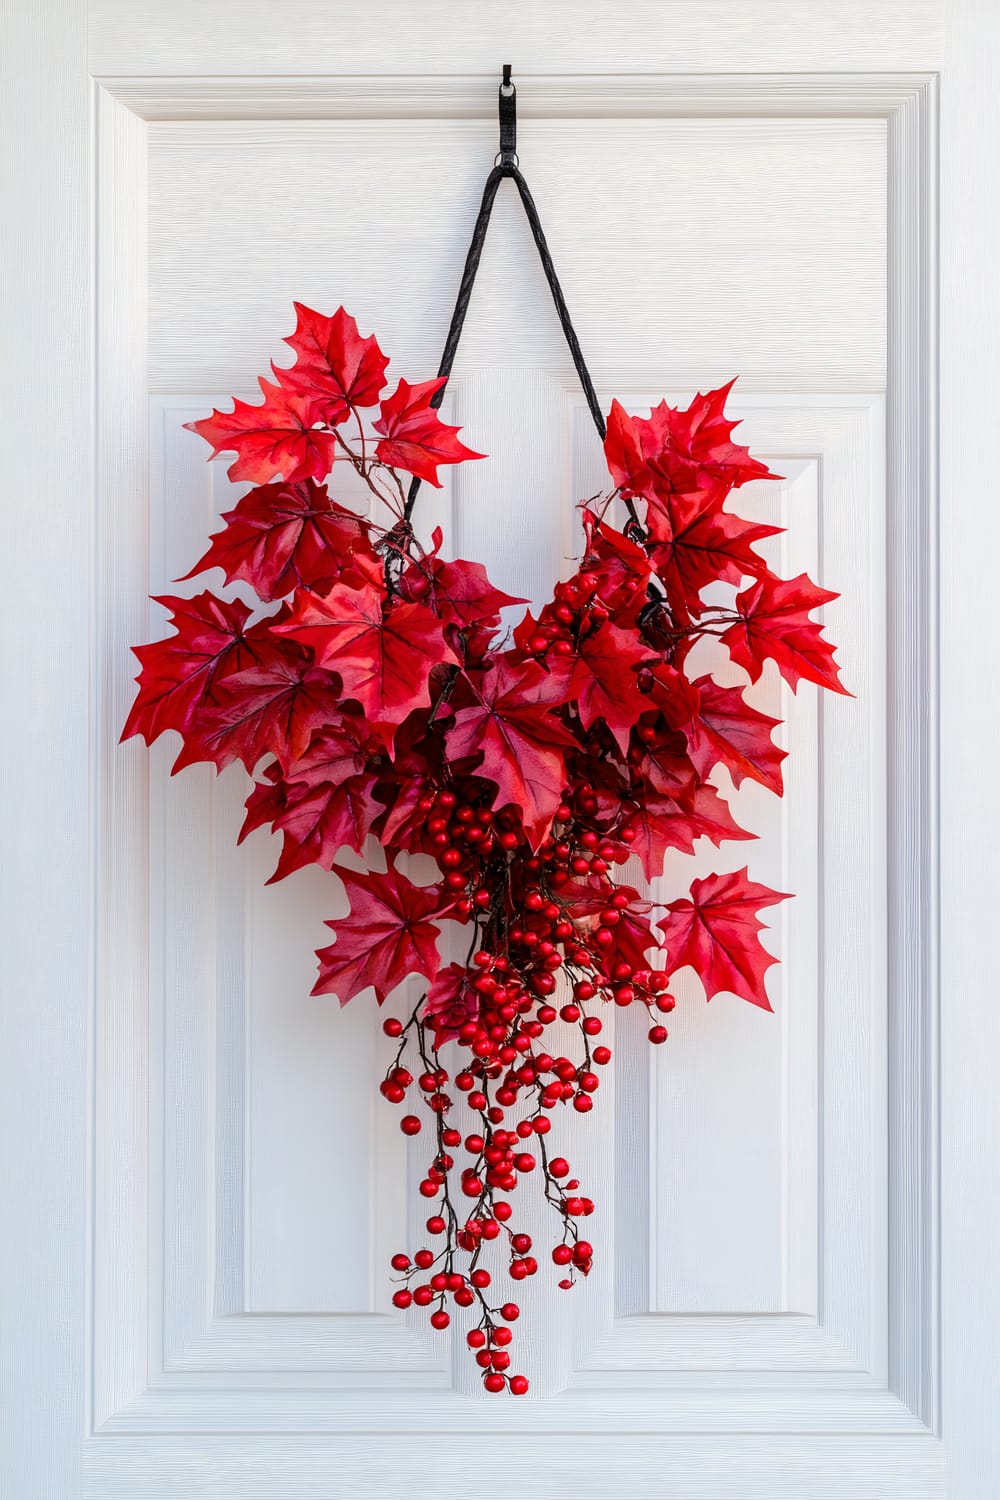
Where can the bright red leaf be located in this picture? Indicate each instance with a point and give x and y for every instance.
(603, 679)
(334, 364)
(623, 451)
(698, 543)
(661, 824)
(386, 938)
(620, 566)
(459, 592)
(414, 437)
(383, 656)
(715, 931)
(720, 728)
(278, 437)
(775, 626)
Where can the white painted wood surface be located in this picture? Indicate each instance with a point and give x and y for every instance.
(189, 1314)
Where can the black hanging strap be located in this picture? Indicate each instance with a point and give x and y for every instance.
(506, 165)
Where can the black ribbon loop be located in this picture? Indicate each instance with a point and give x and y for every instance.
(507, 166)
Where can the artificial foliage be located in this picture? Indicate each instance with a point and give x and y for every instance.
(376, 698)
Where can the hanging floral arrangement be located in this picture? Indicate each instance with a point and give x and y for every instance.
(374, 695)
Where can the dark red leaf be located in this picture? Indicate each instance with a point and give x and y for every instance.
(284, 536)
(386, 938)
(459, 592)
(329, 804)
(180, 674)
(273, 708)
(451, 1001)
(510, 729)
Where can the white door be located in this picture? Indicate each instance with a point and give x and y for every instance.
(792, 1294)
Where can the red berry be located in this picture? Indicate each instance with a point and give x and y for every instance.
(518, 1385)
(440, 1319)
(402, 1298)
(657, 1035)
(510, 1312)
(410, 1125)
(495, 1383)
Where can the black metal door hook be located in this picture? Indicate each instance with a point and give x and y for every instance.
(507, 95)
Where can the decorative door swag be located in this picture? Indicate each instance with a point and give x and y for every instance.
(372, 692)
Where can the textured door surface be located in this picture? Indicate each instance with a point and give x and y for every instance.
(728, 200)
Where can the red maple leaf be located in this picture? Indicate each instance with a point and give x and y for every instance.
(659, 754)
(715, 931)
(620, 566)
(386, 938)
(676, 449)
(278, 437)
(775, 625)
(459, 592)
(519, 741)
(273, 708)
(382, 655)
(698, 543)
(284, 536)
(334, 364)
(414, 437)
(661, 824)
(623, 451)
(603, 680)
(720, 728)
(632, 933)
(265, 802)
(451, 1001)
(180, 674)
(328, 804)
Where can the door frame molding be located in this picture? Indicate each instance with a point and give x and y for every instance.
(122, 1401)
